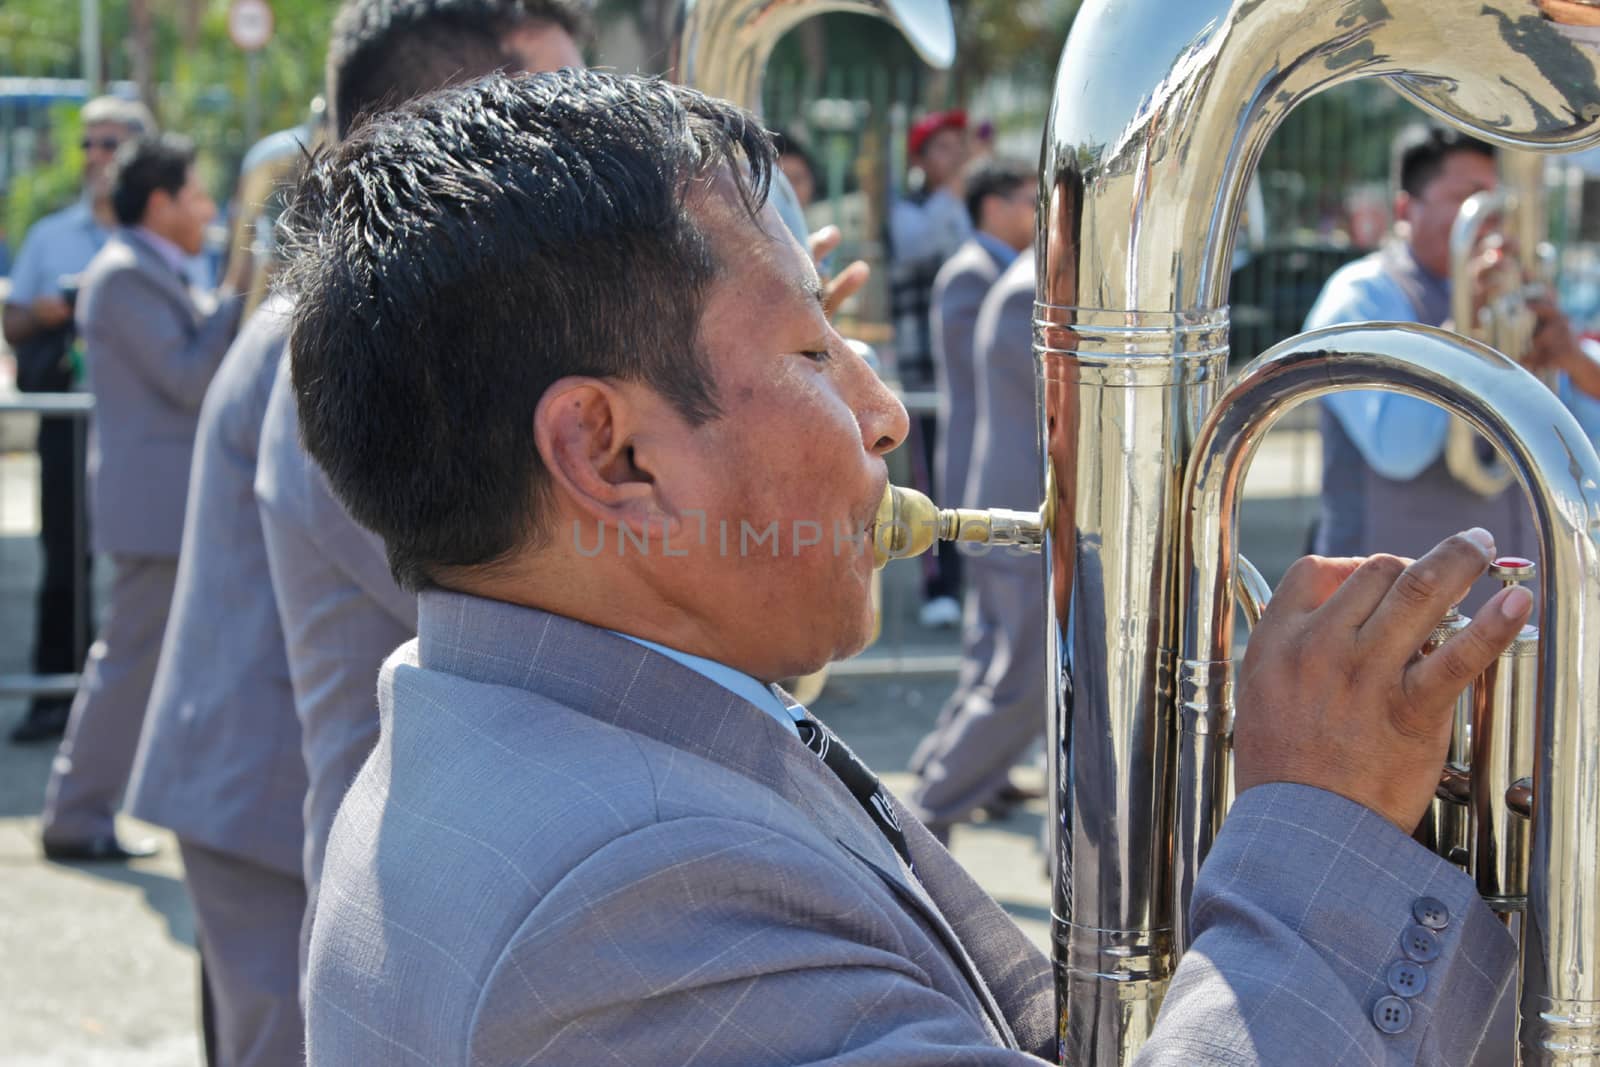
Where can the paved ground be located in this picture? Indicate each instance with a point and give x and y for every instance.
(97, 966)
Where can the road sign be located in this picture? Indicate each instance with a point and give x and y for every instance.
(250, 24)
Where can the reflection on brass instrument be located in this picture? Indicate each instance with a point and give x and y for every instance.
(1518, 209)
(1161, 112)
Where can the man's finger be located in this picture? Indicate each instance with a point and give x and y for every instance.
(1434, 681)
(1424, 591)
(845, 284)
(1309, 582)
(824, 241)
(1359, 595)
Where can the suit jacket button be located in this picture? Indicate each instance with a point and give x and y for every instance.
(1407, 979)
(1419, 943)
(1391, 1015)
(1431, 912)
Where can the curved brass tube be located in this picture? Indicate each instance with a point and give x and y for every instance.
(1558, 468)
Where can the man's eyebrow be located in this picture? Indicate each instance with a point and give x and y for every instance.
(812, 287)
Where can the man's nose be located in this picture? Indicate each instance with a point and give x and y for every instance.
(883, 419)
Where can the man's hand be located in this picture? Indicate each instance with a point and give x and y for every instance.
(50, 312)
(1555, 348)
(23, 322)
(1333, 693)
(845, 284)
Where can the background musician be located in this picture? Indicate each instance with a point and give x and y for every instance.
(152, 343)
(1386, 485)
(223, 759)
(983, 342)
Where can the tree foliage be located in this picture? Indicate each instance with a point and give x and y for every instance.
(196, 81)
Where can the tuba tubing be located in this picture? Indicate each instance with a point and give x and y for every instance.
(1553, 460)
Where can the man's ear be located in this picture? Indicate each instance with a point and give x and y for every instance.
(1402, 206)
(583, 429)
(158, 207)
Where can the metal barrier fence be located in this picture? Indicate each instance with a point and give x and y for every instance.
(75, 409)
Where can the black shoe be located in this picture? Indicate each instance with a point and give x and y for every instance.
(105, 849)
(1010, 797)
(44, 722)
(1012, 793)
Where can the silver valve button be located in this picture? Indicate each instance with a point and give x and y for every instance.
(1513, 570)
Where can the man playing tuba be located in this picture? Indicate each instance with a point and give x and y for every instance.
(592, 830)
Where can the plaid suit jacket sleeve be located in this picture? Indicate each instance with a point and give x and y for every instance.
(725, 944)
(1299, 914)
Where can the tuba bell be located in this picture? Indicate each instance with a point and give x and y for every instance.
(1160, 115)
(721, 47)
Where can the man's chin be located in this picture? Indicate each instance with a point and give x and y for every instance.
(845, 646)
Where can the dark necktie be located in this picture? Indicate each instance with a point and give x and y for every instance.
(857, 778)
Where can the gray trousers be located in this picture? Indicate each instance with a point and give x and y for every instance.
(248, 920)
(90, 772)
(998, 708)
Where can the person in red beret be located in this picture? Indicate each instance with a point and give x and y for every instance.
(926, 227)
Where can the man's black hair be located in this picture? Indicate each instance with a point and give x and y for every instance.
(992, 176)
(457, 256)
(384, 52)
(1420, 152)
(143, 165)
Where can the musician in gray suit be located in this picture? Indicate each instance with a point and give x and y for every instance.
(340, 608)
(219, 761)
(152, 345)
(984, 351)
(592, 831)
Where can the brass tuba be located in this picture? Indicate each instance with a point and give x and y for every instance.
(1160, 115)
(722, 46)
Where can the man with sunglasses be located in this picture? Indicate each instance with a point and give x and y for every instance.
(38, 326)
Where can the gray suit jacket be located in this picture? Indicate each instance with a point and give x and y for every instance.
(1005, 447)
(151, 346)
(219, 761)
(340, 609)
(958, 292)
(568, 849)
